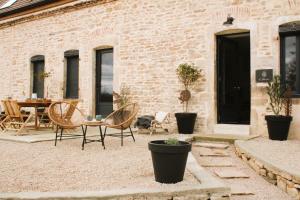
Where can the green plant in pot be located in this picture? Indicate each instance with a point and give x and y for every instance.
(169, 159)
(188, 75)
(279, 101)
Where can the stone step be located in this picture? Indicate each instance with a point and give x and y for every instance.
(203, 151)
(234, 129)
(227, 173)
(211, 145)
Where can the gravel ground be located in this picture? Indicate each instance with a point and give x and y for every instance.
(260, 187)
(43, 167)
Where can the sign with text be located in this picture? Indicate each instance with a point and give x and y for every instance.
(264, 75)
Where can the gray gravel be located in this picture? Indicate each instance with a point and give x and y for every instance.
(43, 167)
(260, 187)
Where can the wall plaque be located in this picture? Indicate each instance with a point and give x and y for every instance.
(264, 75)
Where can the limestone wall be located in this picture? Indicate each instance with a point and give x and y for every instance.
(150, 39)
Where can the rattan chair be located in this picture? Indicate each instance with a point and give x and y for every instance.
(65, 116)
(121, 119)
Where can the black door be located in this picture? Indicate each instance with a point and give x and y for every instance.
(72, 77)
(38, 80)
(233, 75)
(104, 82)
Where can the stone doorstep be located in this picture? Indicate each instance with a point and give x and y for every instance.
(209, 186)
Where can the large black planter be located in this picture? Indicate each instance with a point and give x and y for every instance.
(186, 122)
(169, 160)
(278, 126)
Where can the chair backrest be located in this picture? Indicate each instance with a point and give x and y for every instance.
(65, 114)
(161, 116)
(12, 109)
(71, 109)
(123, 117)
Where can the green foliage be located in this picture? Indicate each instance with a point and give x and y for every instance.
(172, 141)
(188, 74)
(275, 92)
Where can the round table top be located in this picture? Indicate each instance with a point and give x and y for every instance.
(92, 123)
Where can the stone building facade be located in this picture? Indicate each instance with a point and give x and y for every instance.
(149, 40)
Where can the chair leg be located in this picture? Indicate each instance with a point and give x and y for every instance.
(56, 134)
(84, 136)
(101, 136)
(61, 133)
(121, 137)
(131, 134)
(105, 132)
(24, 124)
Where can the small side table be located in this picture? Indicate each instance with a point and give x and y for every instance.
(84, 126)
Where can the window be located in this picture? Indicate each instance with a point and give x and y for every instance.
(72, 74)
(38, 66)
(104, 81)
(8, 3)
(290, 56)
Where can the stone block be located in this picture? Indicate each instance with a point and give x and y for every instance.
(285, 175)
(263, 172)
(253, 165)
(281, 183)
(271, 175)
(293, 192)
(259, 164)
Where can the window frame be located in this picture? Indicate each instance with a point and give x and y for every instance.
(282, 36)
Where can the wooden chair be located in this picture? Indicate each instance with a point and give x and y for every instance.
(15, 120)
(160, 119)
(121, 119)
(65, 116)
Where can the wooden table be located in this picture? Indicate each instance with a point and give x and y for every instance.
(35, 105)
(84, 126)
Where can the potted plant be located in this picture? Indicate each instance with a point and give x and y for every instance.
(169, 159)
(279, 99)
(188, 75)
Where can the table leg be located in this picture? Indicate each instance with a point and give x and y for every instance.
(101, 136)
(84, 136)
(36, 119)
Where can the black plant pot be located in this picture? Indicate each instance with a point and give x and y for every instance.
(169, 161)
(186, 122)
(278, 126)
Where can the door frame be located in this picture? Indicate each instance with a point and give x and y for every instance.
(218, 62)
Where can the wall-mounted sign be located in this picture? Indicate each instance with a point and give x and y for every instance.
(264, 75)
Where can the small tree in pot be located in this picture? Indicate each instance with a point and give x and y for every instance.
(188, 75)
(279, 99)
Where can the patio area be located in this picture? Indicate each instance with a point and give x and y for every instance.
(39, 169)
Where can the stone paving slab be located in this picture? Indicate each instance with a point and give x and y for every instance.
(215, 162)
(230, 173)
(240, 190)
(212, 145)
(212, 152)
